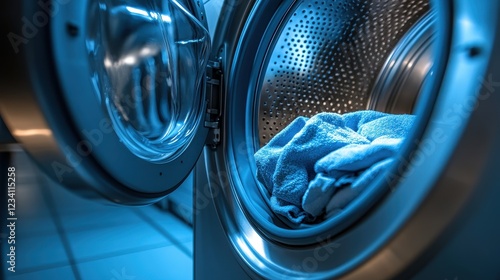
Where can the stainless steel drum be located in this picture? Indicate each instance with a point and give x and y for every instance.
(344, 56)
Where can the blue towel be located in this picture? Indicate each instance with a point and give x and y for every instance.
(319, 165)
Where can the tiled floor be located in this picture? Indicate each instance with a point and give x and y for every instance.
(62, 236)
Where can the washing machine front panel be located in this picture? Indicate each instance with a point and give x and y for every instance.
(402, 226)
(115, 91)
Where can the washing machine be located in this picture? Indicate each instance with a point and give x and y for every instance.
(121, 100)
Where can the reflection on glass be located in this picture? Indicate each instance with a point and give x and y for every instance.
(148, 60)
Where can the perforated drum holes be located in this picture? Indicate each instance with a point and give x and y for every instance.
(326, 57)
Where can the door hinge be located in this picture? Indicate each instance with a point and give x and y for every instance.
(214, 87)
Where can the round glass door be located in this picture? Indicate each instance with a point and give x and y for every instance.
(147, 60)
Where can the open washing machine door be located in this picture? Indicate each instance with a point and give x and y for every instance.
(283, 59)
(108, 96)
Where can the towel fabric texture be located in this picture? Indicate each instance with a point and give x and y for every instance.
(318, 165)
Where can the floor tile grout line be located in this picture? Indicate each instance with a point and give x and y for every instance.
(76, 229)
(83, 230)
(91, 208)
(125, 252)
(49, 200)
(91, 227)
(68, 230)
(174, 240)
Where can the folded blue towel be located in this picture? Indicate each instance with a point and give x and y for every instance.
(322, 163)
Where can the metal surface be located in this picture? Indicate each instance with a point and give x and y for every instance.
(327, 55)
(434, 184)
(148, 62)
(441, 185)
(404, 74)
(50, 105)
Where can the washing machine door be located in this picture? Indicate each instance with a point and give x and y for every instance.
(298, 58)
(107, 96)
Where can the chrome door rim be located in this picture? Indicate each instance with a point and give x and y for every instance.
(395, 245)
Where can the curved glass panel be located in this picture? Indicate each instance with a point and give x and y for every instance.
(148, 60)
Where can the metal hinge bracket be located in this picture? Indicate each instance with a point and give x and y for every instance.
(214, 87)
